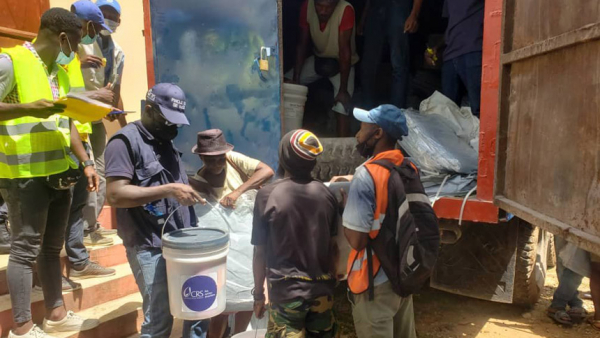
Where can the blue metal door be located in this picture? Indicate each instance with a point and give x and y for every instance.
(211, 49)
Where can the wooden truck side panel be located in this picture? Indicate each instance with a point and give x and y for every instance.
(548, 157)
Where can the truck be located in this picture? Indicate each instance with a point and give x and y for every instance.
(539, 150)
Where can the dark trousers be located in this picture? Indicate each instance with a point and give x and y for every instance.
(3, 211)
(386, 24)
(460, 73)
(38, 218)
(77, 225)
(567, 293)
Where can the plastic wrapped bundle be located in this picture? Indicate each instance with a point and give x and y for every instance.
(435, 147)
(238, 222)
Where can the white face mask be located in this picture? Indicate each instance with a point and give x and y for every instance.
(62, 58)
(112, 25)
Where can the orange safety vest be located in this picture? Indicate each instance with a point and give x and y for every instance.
(358, 275)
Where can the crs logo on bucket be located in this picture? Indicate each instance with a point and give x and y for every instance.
(199, 293)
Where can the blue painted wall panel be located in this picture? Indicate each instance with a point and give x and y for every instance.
(208, 48)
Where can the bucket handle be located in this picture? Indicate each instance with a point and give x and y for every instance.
(162, 232)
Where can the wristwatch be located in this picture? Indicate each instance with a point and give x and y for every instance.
(88, 163)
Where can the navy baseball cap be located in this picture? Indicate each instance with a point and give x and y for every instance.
(171, 101)
(388, 117)
(87, 10)
(112, 3)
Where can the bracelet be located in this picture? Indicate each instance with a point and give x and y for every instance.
(259, 297)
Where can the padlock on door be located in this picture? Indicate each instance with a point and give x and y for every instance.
(263, 62)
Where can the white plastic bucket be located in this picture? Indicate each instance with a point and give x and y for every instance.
(294, 100)
(196, 271)
(252, 334)
(295, 89)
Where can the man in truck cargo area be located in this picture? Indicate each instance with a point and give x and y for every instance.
(295, 221)
(461, 68)
(102, 63)
(330, 25)
(36, 170)
(146, 183)
(390, 21)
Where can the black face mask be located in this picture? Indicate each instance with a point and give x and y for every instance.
(167, 133)
(364, 149)
(161, 130)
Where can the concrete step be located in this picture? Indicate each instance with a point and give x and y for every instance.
(107, 256)
(94, 292)
(119, 318)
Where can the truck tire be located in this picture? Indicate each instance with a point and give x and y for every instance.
(526, 291)
(551, 256)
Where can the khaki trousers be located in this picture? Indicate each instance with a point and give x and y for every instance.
(387, 316)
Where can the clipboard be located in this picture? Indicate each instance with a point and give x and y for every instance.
(83, 109)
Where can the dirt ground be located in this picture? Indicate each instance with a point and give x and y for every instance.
(440, 315)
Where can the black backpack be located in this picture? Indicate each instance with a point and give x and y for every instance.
(407, 244)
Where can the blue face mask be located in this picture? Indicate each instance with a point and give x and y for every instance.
(62, 58)
(88, 40)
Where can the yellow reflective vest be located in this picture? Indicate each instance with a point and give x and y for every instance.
(77, 85)
(30, 146)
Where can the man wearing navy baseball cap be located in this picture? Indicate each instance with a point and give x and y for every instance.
(146, 182)
(374, 298)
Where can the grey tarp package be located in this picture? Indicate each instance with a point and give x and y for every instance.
(434, 147)
(238, 222)
(443, 138)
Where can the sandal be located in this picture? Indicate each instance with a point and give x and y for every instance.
(595, 323)
(577, 314)
(560, 316)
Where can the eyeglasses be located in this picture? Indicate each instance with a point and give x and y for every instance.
(169, 124)
(166, 122)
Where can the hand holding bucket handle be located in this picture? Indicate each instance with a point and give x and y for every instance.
(185, 194)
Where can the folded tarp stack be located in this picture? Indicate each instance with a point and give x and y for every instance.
(443, 142)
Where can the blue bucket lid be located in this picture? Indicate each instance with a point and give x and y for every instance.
(201, 239)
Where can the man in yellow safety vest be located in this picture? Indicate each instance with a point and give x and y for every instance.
(36, 170)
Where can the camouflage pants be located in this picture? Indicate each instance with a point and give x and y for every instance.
(302, 318)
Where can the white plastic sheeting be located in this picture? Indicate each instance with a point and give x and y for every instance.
(238, 222)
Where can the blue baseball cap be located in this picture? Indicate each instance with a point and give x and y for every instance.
(87, 10)
(112, 3)
(388, 117)
(171, 101)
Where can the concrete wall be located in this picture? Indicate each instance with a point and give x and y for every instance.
(130, 37)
